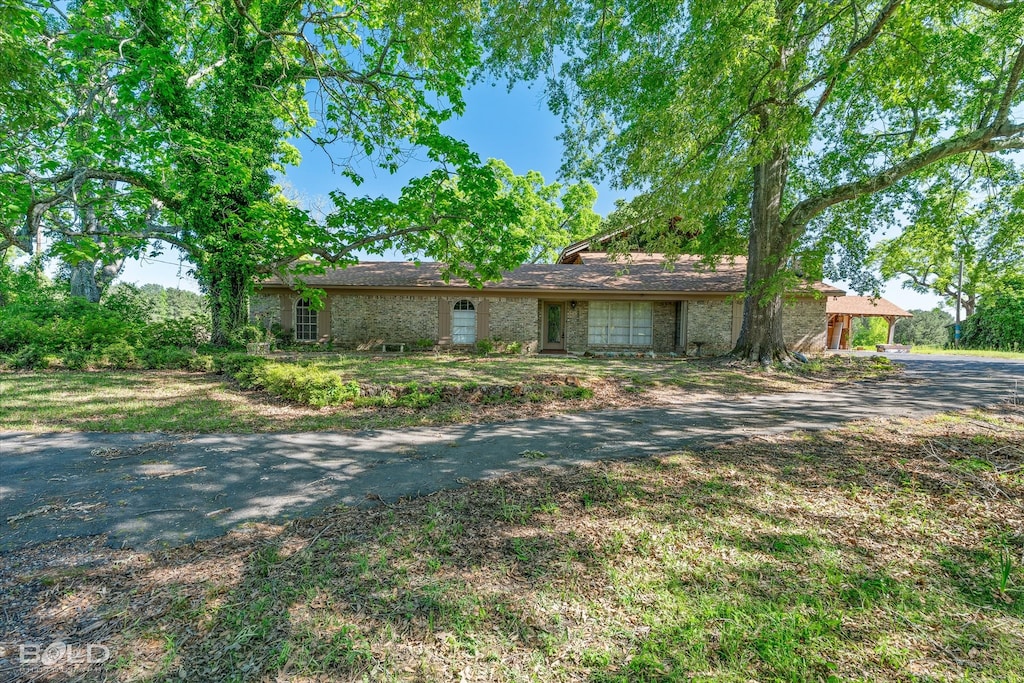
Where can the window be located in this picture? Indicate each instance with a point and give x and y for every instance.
(305, 321)
(621, 323)
(464, 322)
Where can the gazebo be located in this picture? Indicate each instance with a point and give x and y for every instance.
(842, 310)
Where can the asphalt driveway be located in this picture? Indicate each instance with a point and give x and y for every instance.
(153, 489)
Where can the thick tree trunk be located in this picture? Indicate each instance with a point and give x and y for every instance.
(83, 281)
(229, 303)
(761, 335)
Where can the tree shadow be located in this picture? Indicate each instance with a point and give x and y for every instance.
(863, 553)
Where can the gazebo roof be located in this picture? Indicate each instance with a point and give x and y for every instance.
(863, 306)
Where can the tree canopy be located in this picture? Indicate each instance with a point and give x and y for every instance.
(167, 124)
(972, 211)
(926, 328)
(796, 127)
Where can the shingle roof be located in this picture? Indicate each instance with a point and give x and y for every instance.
(643, 275)
(864, 306)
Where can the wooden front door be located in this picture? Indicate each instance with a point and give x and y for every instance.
(554, 326)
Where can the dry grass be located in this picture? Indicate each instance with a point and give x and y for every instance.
(888, 550)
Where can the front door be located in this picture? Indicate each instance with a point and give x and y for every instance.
(554, 326)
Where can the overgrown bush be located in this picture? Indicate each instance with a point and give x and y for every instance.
(311, 385)
(998, 321)
(180, 332)
(243, 368)
(120, 356)
(926, 328)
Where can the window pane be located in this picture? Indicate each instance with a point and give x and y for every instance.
(597, 327)
(305, 321)
(463, 325)
(554, 323)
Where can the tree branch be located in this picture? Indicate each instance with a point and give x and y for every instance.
(984, 140)
(995, 5)
(852, 51)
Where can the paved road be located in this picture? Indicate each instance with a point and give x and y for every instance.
(152, 489)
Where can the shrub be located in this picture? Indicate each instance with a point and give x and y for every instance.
(181, 332)
(577, 393)
(120, 355)
(485, 346)
(166, 357)
(243, 368)
(248, 334)
(419, 399)
(77, 359)
(869, 331)
(310, 385)
(29, 357)
(998, 321)
(926, 328)
(199, 363)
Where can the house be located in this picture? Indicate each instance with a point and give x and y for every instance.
(590, 303)
(843, 309)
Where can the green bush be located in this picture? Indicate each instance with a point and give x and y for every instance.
(419, 399)
(926, 328)
(166, 358)
(28, 357)
(199, 363)
(310, 385)
(485, 346)
(998, 321)
(77, 359)
(869, 331)
(120, 355)
(577, 393)
(243, 368)
(181, 332)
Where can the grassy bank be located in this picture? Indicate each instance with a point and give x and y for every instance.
(890, 550)
(396, 391)
(981, 353)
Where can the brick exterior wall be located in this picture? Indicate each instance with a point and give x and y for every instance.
(709, 321)
(401, 319)
(357, 319)
(576, 322)
(664, 326)
(515, 319)
(265, 309)
(803, 325)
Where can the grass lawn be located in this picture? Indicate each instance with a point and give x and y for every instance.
(482, 389)
(888, 550)
(1010, 355)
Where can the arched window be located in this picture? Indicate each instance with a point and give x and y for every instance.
(305, 321)
(464, 322)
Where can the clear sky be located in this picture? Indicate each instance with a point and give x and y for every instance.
(515, 126)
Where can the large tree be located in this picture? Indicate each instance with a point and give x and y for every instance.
(795, 125)
(170, 122)
(970, 213)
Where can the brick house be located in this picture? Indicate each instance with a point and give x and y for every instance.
(586, 302)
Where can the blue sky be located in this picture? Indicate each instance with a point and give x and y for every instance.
(515, 126)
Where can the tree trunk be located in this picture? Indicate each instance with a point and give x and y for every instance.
(229, 302)
(83, 281)
(761, 337)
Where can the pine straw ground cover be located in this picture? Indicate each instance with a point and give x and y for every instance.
(888, 550)
(454, 390)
